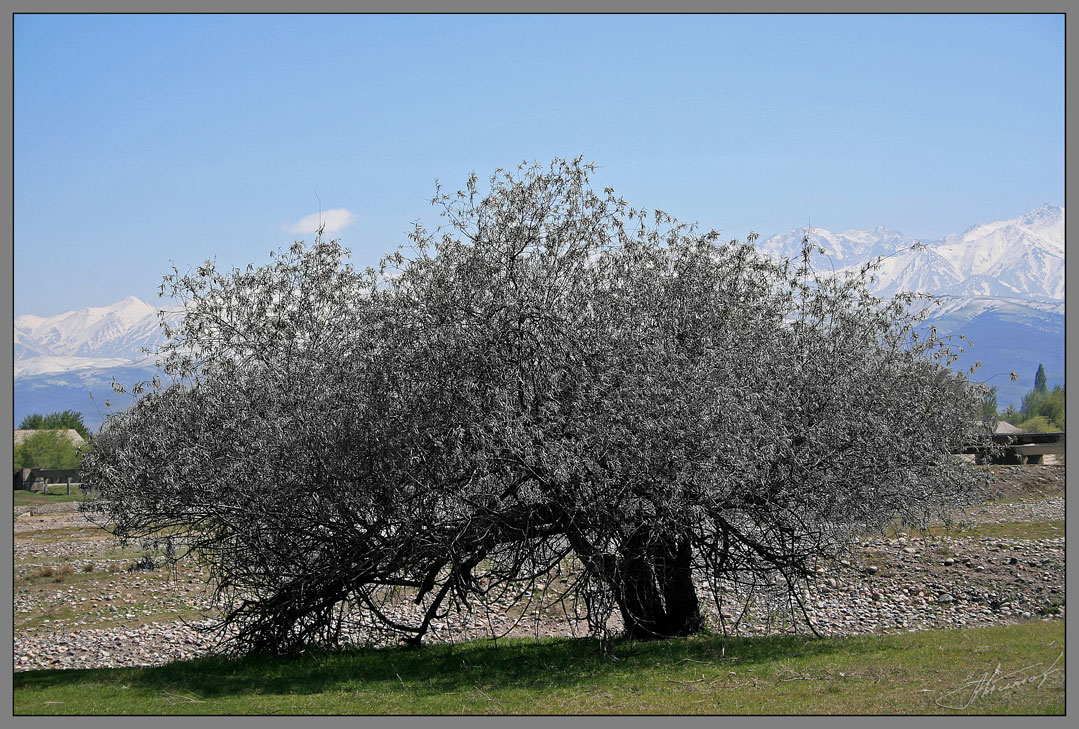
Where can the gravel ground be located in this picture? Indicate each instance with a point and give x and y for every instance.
(102, 614)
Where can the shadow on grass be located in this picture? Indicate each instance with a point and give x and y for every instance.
(524, 663)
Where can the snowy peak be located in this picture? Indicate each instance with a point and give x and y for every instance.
(846, 247)
(119, 330)
(1047, 217)
(1021, 257)
(1041, 228)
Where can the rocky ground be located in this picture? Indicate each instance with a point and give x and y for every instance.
(81, 600)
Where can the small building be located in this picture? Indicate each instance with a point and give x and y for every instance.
(31, 478)
(72, 435)
(34, 479)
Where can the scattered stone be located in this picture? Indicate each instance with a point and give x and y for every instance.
(900, 597)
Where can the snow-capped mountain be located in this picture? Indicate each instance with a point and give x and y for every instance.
(116, 331)
(997, 276)
(1022, 257)
(69, 361)
(46, 365)
(1003, 284)
(847, 248)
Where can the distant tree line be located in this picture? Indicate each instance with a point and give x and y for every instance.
(64, 420)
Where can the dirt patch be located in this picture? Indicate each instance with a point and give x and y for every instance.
(1019, 482)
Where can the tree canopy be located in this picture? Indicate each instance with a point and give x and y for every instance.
(1048, 405)
(550, 383)
(47, 449)
(1042, 409)
(1040, 380)
(64, 420)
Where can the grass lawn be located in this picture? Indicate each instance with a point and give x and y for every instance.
(914, 673)
(54, 494)
(1006, 530)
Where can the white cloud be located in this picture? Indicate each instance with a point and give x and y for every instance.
(335, 221)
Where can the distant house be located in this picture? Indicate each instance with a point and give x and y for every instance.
(1003, 427)
(72, 435)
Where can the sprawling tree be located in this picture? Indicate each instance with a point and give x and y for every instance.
(551, 381)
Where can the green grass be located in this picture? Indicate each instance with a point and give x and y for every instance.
(127, 554)
(65, 534)
(893, 674)
(1002, 530)
(56, 494)
(45, 576)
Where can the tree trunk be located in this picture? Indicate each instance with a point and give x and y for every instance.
(654, 589)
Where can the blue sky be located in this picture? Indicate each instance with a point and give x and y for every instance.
(142, 141)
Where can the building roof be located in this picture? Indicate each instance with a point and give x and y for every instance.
(1004, 427)
(72, 435)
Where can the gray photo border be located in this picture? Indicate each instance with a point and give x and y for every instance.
(483, 6)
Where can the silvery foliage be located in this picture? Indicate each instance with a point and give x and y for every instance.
(552, 384)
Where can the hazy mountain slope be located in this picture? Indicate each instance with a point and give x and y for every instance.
(47, 393)
(1006, 335)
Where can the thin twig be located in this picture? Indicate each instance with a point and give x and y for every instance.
(190, 697)
(484, 694)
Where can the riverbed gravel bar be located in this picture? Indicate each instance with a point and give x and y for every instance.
(80, 600)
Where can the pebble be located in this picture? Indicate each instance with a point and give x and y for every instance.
(112, 623)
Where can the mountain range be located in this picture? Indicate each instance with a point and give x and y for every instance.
(1002, 285)
(69, 361)
(1019, 258)
(120, 330)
